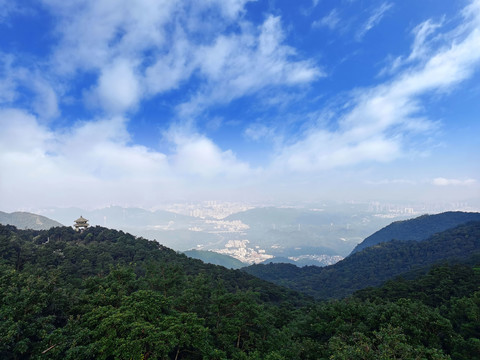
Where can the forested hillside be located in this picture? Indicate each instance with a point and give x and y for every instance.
(104, 294)
(418, 229)
(374, 265)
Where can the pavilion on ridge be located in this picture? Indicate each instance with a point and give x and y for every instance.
(81, 224)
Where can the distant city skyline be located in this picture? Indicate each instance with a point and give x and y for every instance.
(111, 102)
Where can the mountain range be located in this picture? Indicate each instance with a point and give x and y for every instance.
(382, 261)
(306, 235)
(26, 220)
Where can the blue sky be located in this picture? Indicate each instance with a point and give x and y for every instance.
(105, 102)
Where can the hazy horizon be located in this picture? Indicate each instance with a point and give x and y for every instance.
(103, 103)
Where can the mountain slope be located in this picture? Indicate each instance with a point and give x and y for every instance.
(374, 265)
(26, 220)
(97, 249)
(417, 229)
(211, 257)
(306, 260)
(440, 284)
(104, 294)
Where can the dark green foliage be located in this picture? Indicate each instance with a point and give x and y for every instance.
(454, 290)
(440, 284)
(104, 294)
(374, 265)
(417, 229)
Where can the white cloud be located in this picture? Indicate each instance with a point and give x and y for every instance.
(21, 133)
(22, 157)
(151, 48)
(472, 13)
(118, 87)
(170, 69)
(231, 8)
(373, 20)
(455, 182)
(139, 52)
(258, 131)
(194, 154)
(13, 77)
(391, 181)
(420, 49)
(94, 163)
(239, 65)
(116, 42)
(101, 150)
(94, 33)
(321, 150)
(331, 20)
(8, 79)
(45, 103)
(380, 120)
(133, 53)
(422, 32)
(201, 156)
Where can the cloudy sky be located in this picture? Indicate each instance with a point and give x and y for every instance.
(114, 102)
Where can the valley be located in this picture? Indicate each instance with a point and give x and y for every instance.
(304, 234)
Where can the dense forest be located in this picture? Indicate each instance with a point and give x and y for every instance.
(104, 294)
(374, 265)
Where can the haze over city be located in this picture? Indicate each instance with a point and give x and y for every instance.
(102, 103)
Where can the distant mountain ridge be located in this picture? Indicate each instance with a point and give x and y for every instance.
(418, 229)
(374, 265)
(304, 233)
(26, 220)
(117, 217)
(168, 228)
(293, 232)
(211, 257)
(312, 260)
